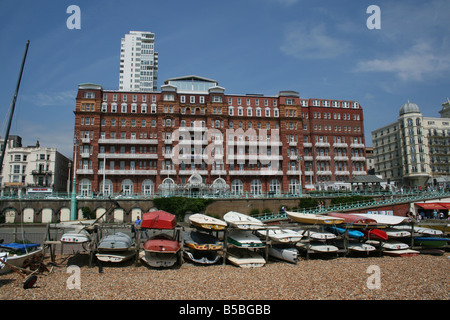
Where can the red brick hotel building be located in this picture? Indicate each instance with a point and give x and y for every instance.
(193, 138)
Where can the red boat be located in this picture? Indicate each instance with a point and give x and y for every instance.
(375, 234)
(162, 243)
(158, 220)
(161, 251)
(353, 218)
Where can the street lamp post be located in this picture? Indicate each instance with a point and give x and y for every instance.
(73, 202)
(299, 159)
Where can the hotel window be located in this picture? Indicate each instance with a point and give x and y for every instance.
(144, 98)
(239, 101)
(114, 97)
(240, 111)
(153, 108)
(144, 108)
(114, 107)
(192, 99)
(248, 101)
(124, 123)
(113, 122)
(104, 107)
(133, 122)
(183, 99)
(105, 97)
(124, 107)
(124, 98)
(202, 99)
(133, 108)
(89, 95)
(258, 112)
(316, 103)
(143, 123)
(231, 111)
(169, 97)
(134, 98)
(267, 110)
(275, 112)
(230, 100)
(249, 111)
(289, 101)
(217, 99)
(336, 104)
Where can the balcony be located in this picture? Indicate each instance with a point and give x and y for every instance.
(323, 158)
(40, 173)
(307, 145)
(324, 173)
(127, 172)
(85, 155)
(308, 158)
(357, 145)
(86, 140)
(293, 172)
(340, 158)
(359, 173)
(127, 156)
(191, 172)
(340, 145)
(341, 173)
(322, 144)
(358, 159)
(85, 171)
(127, 141)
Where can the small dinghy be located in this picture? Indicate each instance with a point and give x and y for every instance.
(244, 239)
(282, 252)
(201, 241)
(17, 254)
(206, 222)
(115, 248)
(160, 251)
(351, 233)
(389, 245)
(245, 258)
(375, 234)
(242, 221)
(354, 219)
(76, 237)
(310, 218)
(281, 235)
(317, 235)
(421, 231)
(396, 233)
(321, 247)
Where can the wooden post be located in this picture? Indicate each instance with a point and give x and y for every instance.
(267, 246)
(225, 245)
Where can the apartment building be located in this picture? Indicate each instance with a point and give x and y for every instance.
(414, 150)
(193, 138)
(138, 62)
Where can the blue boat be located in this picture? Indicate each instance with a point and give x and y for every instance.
(20, 247)
(351, 233)
(431, 242)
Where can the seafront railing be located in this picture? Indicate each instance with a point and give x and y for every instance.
(365, 204)
(227, 195)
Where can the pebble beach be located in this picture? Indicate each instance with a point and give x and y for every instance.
(422, 277)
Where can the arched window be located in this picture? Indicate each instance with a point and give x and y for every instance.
(237, 187)
(106, 187)
(275, 186)
(148, 187)
(85, 187)
(256, 187)
(127, 187)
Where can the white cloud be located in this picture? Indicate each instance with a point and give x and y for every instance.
(414, 64)
(62, 98)
(314, 42)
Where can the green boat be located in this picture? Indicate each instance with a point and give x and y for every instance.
(431, 242)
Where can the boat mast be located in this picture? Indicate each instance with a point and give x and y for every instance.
(13, 105)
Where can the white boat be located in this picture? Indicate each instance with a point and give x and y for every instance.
(360, 247)
(206, 222)
(419, 231)
(75, 237)
(389, 245)
(281, 235)
(158, 259)
(245, 258)
(396, 233)
(322, 247)
(284, 253)
(18, 254)
(244, 239)
(242, 221)
(383, 219)
(316, 235)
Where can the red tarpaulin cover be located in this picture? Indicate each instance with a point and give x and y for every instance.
(158, 220)
(162, 243)
(432, 206)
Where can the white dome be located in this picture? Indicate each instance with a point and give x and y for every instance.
(409, 108)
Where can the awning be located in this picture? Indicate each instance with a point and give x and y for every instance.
(432, 206)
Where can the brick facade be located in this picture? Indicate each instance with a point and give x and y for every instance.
(253, 141)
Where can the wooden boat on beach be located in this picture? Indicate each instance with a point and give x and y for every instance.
(242, 221)
(309, 218)
(244, 239)
(354, 219)
(160, 251)
(245, 258)
(280, 235)
(201, 241)
(206, 222)
(158, 220)
(18, 254)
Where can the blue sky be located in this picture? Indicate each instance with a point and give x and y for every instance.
(322, 49)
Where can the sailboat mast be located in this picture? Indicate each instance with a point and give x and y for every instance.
(13, 105)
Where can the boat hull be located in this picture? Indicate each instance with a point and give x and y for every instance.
(206, 222)
(401, 253)
(75, 238)
(243, 239)
(351, 233)
(285, 254)
(115, 242)
(202, 257)
(159, 259)
(309, 218)
(431, 242)
(201, 241)
(245, 258)
(19, 260)
(281, 235)
(115, 256)
(242, 221)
